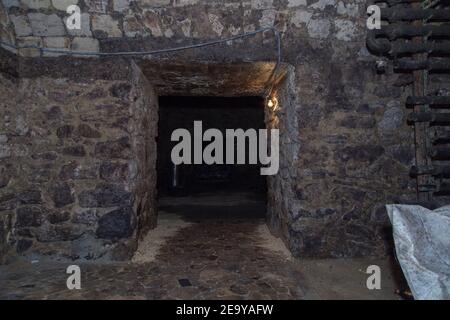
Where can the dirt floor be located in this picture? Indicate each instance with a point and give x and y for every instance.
(187, 257)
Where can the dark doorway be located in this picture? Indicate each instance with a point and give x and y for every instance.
(203, 190)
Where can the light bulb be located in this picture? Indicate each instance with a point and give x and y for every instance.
(270, 103)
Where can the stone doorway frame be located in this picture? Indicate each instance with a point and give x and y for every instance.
(200, 78)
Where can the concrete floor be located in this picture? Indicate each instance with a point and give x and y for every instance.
(215, 256)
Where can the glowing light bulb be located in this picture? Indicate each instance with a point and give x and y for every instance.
(270, 103)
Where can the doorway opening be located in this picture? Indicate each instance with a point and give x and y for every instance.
(233, 205)
(202, 191)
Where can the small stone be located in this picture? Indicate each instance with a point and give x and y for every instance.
(58, 232)
(114, 149)
(88, 217)
(359, 122)
(121, 90)
(50, 156)
(85, 45)
(11, 3)
(403, 153)
(64, 131)
(36, 4)
(74, 170)
(98, 6)
(23, 245)
(62, 5)
(361, 153)
(58, 43)
(88, 247)
(86, 131)
(39, 175)
(121, 5)
(29, 197)
(27, 42)
(21, 125)
(46, 25)
(160, 3)
(58, 217)
(392, 120)
(116, 224)
(8, 202)
(114, 171)
(108, 27)
(28, 217)
(296, 3)
(5, 177)
(96, 93)
(54, 113)
(346, 30)
(21, 26)
(104, 195)
(5, 151)
(319, 28)
(74, 151)
(62, 195)
(261, 4)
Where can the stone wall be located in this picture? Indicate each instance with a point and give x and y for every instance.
(77, 164)
(345, 152)
(8, 169)
(346, 147)
(6, 29)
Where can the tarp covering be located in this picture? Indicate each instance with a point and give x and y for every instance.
(422, 244)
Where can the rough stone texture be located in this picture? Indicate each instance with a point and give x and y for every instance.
(36, 4)
(227, 260)
(21, 26)
(46, 25)
(6, 26)
(63, 4)
(345, 147)
(85, 44)
(116, 224)
(105, 26)
(58, 181)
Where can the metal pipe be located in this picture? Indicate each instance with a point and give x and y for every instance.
(442, 137)
(396, 31)
(431, 65)
(434, 118)
(377, 45)
(444, 190)
(432, 101)
(431, 15)
(440, 153)
(402, 47)
(384, 46)
(435, 171)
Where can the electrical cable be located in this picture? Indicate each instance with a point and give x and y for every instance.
(167, 50)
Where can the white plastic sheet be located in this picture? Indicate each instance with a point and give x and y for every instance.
(422, 244)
